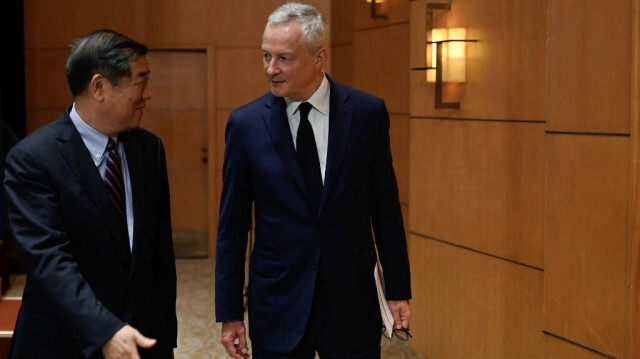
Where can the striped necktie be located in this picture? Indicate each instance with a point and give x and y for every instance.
(113, 179)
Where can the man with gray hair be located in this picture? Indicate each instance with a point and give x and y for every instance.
(311, 160)
(88, 202)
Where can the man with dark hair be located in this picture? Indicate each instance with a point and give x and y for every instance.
(312, 159)
(95, 224)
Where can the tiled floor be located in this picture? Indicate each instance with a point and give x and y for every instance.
(197, 331)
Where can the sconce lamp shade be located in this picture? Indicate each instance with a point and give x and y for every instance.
(452, 46)
(377, 1)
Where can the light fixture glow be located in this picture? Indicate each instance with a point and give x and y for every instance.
(452, 43)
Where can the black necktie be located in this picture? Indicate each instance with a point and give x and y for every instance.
(308, 154)
(113, 179)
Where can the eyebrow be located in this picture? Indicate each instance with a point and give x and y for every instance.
(142, 75)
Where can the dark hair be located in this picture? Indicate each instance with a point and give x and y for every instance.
(104, 52)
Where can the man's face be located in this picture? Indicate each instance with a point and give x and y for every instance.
(127, 99)
(291, 70)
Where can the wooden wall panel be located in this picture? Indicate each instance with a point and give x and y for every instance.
(171, 22)
(634, 226)
(240, 76)
(505, 69)
(341, 52)
(559, 349)
(470, 305)
(46, 79)
(343, 71)
(397, 11)
(181, 86)
(240, 23)
(342, 22)
(57, 23)
(586, 255)
(381, 57)
(589, 65)
(480, 184)
(182, 132)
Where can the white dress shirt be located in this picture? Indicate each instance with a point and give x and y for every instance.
(318, 117)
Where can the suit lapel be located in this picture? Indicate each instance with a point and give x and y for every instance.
(75, 154)
(275, 119)
(340, 120)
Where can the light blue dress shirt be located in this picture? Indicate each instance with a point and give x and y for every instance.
(96, 143)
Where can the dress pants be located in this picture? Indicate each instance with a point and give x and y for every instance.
(321, 336)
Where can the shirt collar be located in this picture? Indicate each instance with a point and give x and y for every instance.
(319, 100)
(94, 140)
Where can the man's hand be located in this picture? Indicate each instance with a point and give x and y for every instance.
(124, 344)
(401, 313)
(234, 339)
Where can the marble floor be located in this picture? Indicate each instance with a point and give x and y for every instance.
(197, 331)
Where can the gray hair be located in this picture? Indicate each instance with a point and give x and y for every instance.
(103, 52)
(315, 29)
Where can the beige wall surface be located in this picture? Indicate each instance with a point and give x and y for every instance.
(536, 170)
(520, 206)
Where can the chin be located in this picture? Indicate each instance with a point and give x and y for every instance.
(278, 92)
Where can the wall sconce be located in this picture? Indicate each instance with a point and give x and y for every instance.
(445, 55)
(374, 9)
(448, 47)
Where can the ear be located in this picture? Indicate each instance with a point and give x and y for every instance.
(321, 58)
(97, 87)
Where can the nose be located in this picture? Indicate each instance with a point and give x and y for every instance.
(147, 93)
(271, 68)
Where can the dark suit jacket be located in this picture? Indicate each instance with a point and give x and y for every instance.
(83, 283)
(360, 191)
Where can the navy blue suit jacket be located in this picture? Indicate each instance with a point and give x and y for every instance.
(291, 235)
(83, 283)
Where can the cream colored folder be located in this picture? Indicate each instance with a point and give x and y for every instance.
(385, 312)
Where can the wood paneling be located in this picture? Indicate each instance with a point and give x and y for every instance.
(559, 349)
(589, 65)
(239, 23)
(397, 11)
(505, 69)
(58, 23)
(342, 22)
(45, 76)
(381, 57)
(177, 113)
(179, 84)
(469, 305)
(179, 22)
(634, 232)
(343, 71)
(240, 76)
(480, 184)
(586, 254)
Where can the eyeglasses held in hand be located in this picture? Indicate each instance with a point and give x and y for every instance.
(402, 334)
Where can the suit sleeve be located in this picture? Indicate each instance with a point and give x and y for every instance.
(386, 216)
(166, 259)
(233, 226)
(35, 214)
